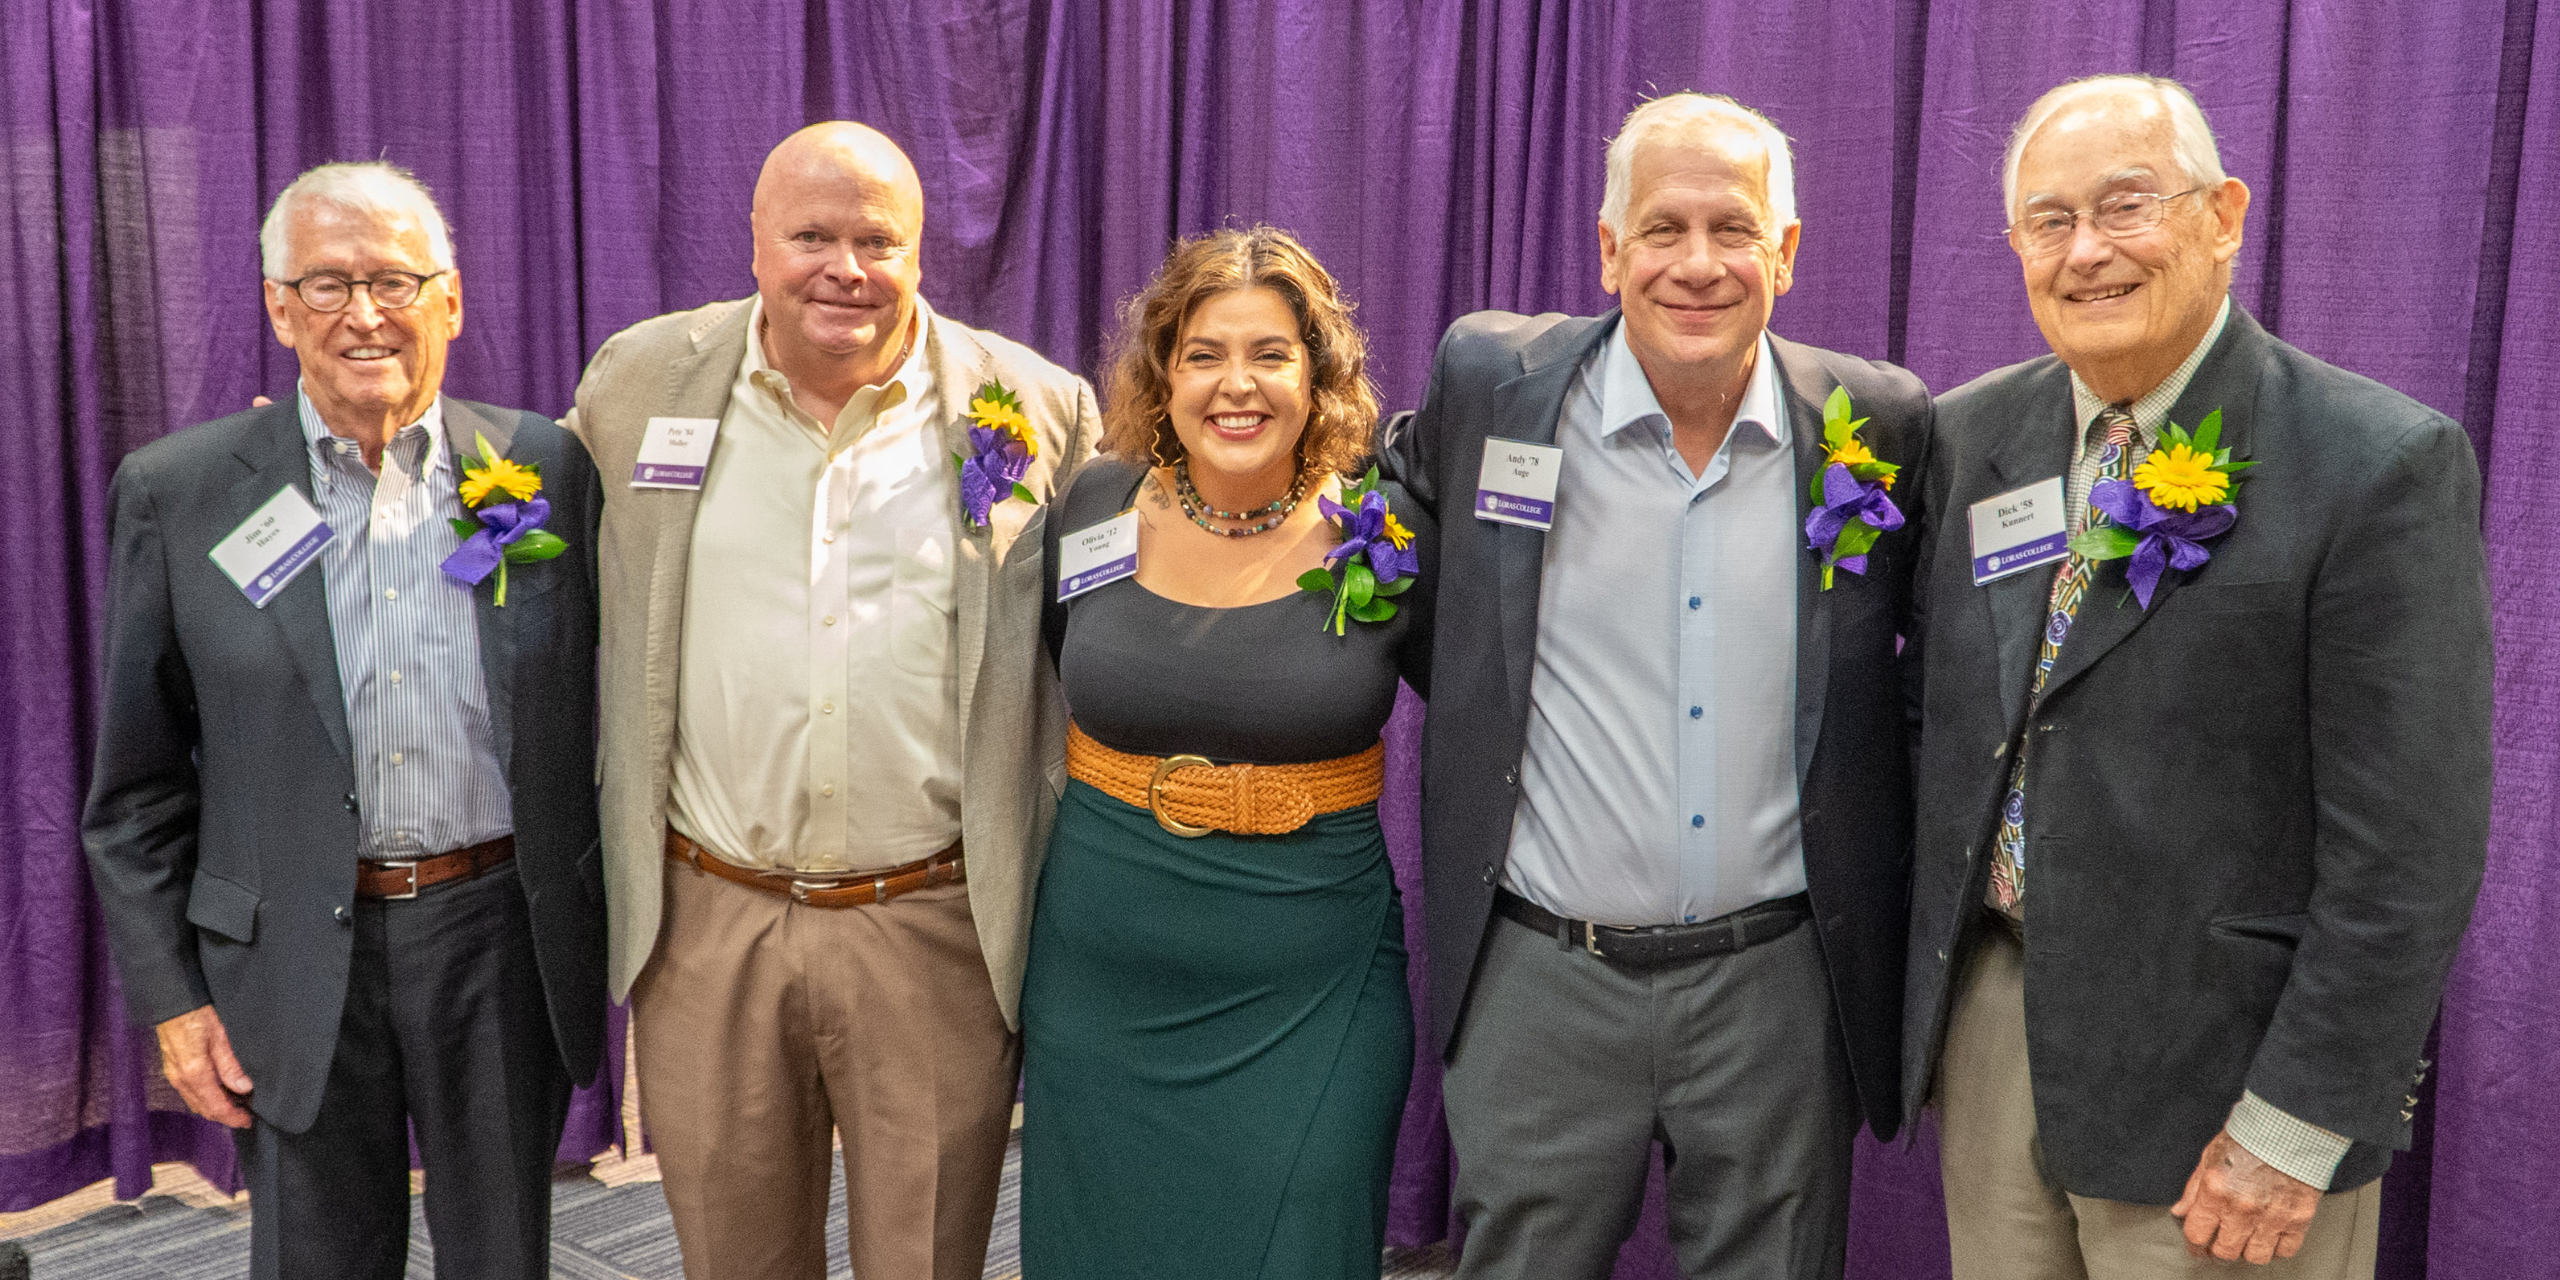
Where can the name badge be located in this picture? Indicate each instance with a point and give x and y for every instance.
(2018, 530)
(278, 540)
(1517, 483)
(674, 452)
(1098, 555)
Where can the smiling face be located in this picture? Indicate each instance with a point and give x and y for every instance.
(2123, 312)
(1697, 265)
(836, 220)
(1238, 399)
(360, 363)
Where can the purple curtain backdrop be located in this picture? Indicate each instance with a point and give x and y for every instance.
(1441, 155)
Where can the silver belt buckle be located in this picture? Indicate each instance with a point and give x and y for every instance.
(800, 888)
(1591, 938)
(409, 866)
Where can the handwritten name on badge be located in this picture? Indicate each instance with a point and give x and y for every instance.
(278, 541)
(2018, 530)
(674, 453)
(1098, 555)
(1516, 483)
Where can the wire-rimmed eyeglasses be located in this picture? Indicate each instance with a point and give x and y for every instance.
(391, 290)
(2126, 213)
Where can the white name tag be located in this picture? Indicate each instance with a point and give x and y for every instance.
(1517, 483)
(2018, 530)
(1098, 555)
(674, 452)
(278, 540)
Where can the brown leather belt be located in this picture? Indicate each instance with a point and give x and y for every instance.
(401, 879)
(1192, 797)
(827, 888)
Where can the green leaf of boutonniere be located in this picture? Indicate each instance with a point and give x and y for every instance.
(1316, 580)
(2108, 541)
(1023, 491)
(1360, 584)
(463, 528)
(536, 544)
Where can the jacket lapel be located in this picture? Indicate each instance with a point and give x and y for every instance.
(1807, 385)
(1526, 409)
(697, 386)
(961, 364)
(276, 455)
(464, 425)
(2038, 447)
(2226, 381)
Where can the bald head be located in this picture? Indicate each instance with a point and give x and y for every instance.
(836, 218)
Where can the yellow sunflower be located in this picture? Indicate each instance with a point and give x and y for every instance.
(1397, 533)
(2181, 478)
(503, 475)
(999, 416)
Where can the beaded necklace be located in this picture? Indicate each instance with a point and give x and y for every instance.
(1269, 516)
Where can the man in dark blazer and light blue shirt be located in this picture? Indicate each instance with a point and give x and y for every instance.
(1666, 800)
(2190, 868)
(343, 819)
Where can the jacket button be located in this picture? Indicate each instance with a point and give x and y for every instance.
(1942, 957)
(350, 802)
(339, 914)
(1511, 777)
(1489, 876)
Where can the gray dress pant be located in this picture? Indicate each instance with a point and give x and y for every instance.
(1568, 1068)
(446, 1033)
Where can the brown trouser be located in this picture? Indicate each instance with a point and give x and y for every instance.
(764, 1025)
(2005, 1222)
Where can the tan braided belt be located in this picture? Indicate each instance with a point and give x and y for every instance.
(1192, 797)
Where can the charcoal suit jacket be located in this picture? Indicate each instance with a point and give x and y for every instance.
(2256, 810)
(221, 824)
(1499, 374)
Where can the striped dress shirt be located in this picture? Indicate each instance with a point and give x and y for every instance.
(408, 643)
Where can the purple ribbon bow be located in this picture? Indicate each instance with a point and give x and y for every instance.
(1845, 497)
(500, 523)
(987, 476)
(1365, 529)
(2170, 539)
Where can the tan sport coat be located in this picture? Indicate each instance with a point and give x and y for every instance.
(1012, 718)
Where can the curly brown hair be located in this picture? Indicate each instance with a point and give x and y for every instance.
(1343, 405)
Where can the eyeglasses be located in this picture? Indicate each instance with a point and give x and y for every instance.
(2047, 231)
(391, 290)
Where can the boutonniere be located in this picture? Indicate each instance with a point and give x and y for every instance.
(1373, 563)
(2179, 497)
(505, 495)
(1850, 509)
(1001, 448)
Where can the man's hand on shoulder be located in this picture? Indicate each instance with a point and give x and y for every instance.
(2239, 1206)
(195, 1053)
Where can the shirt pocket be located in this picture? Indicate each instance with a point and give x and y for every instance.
(920, 603)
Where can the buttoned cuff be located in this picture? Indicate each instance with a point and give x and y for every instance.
(2296, 1148)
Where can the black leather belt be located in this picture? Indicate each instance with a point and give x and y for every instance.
(1663, 944)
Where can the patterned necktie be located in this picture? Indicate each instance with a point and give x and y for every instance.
(2111, 432)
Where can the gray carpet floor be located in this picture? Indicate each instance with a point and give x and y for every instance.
(597, 1233)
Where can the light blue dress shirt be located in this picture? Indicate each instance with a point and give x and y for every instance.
(408, 643)
(1658, 785)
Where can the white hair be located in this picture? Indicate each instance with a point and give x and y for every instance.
(1678, 117)
(377, 187)
(2191, 139)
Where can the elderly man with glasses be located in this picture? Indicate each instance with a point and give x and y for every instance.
(343, 820)
(2204, 753)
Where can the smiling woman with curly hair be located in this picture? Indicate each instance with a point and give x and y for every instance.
(1217, 1037)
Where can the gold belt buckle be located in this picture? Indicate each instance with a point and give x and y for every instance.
(1155, 795)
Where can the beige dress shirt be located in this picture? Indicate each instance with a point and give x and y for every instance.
(817, 713)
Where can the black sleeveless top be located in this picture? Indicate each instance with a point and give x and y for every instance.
(1261, 683)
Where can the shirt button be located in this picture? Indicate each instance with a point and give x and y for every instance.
(1696, 713)
(1697, 820)
(829, 620)
(826, 537)
(391, 593)
(395, 677)
(1694, 602)
(826, 708)
(827, 790)
(395, 757)
(1691, 918)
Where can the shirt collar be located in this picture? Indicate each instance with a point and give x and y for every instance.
(2151, 409)
(754, 371)
(1626, 395)
(319, 439)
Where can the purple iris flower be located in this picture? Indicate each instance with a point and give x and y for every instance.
(2170, 539)
(1845, 497)
(987, 476)
(1365, 529)
(500, 524)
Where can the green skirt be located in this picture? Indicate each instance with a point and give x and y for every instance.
(1216, 1046)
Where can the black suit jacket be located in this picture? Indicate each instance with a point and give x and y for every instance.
(221, 824)
(2257, 809)
(1506, 375)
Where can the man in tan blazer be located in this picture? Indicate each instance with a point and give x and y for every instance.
(832, 745)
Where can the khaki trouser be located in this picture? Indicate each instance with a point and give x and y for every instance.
(2005, 1222)
(765, 1026)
